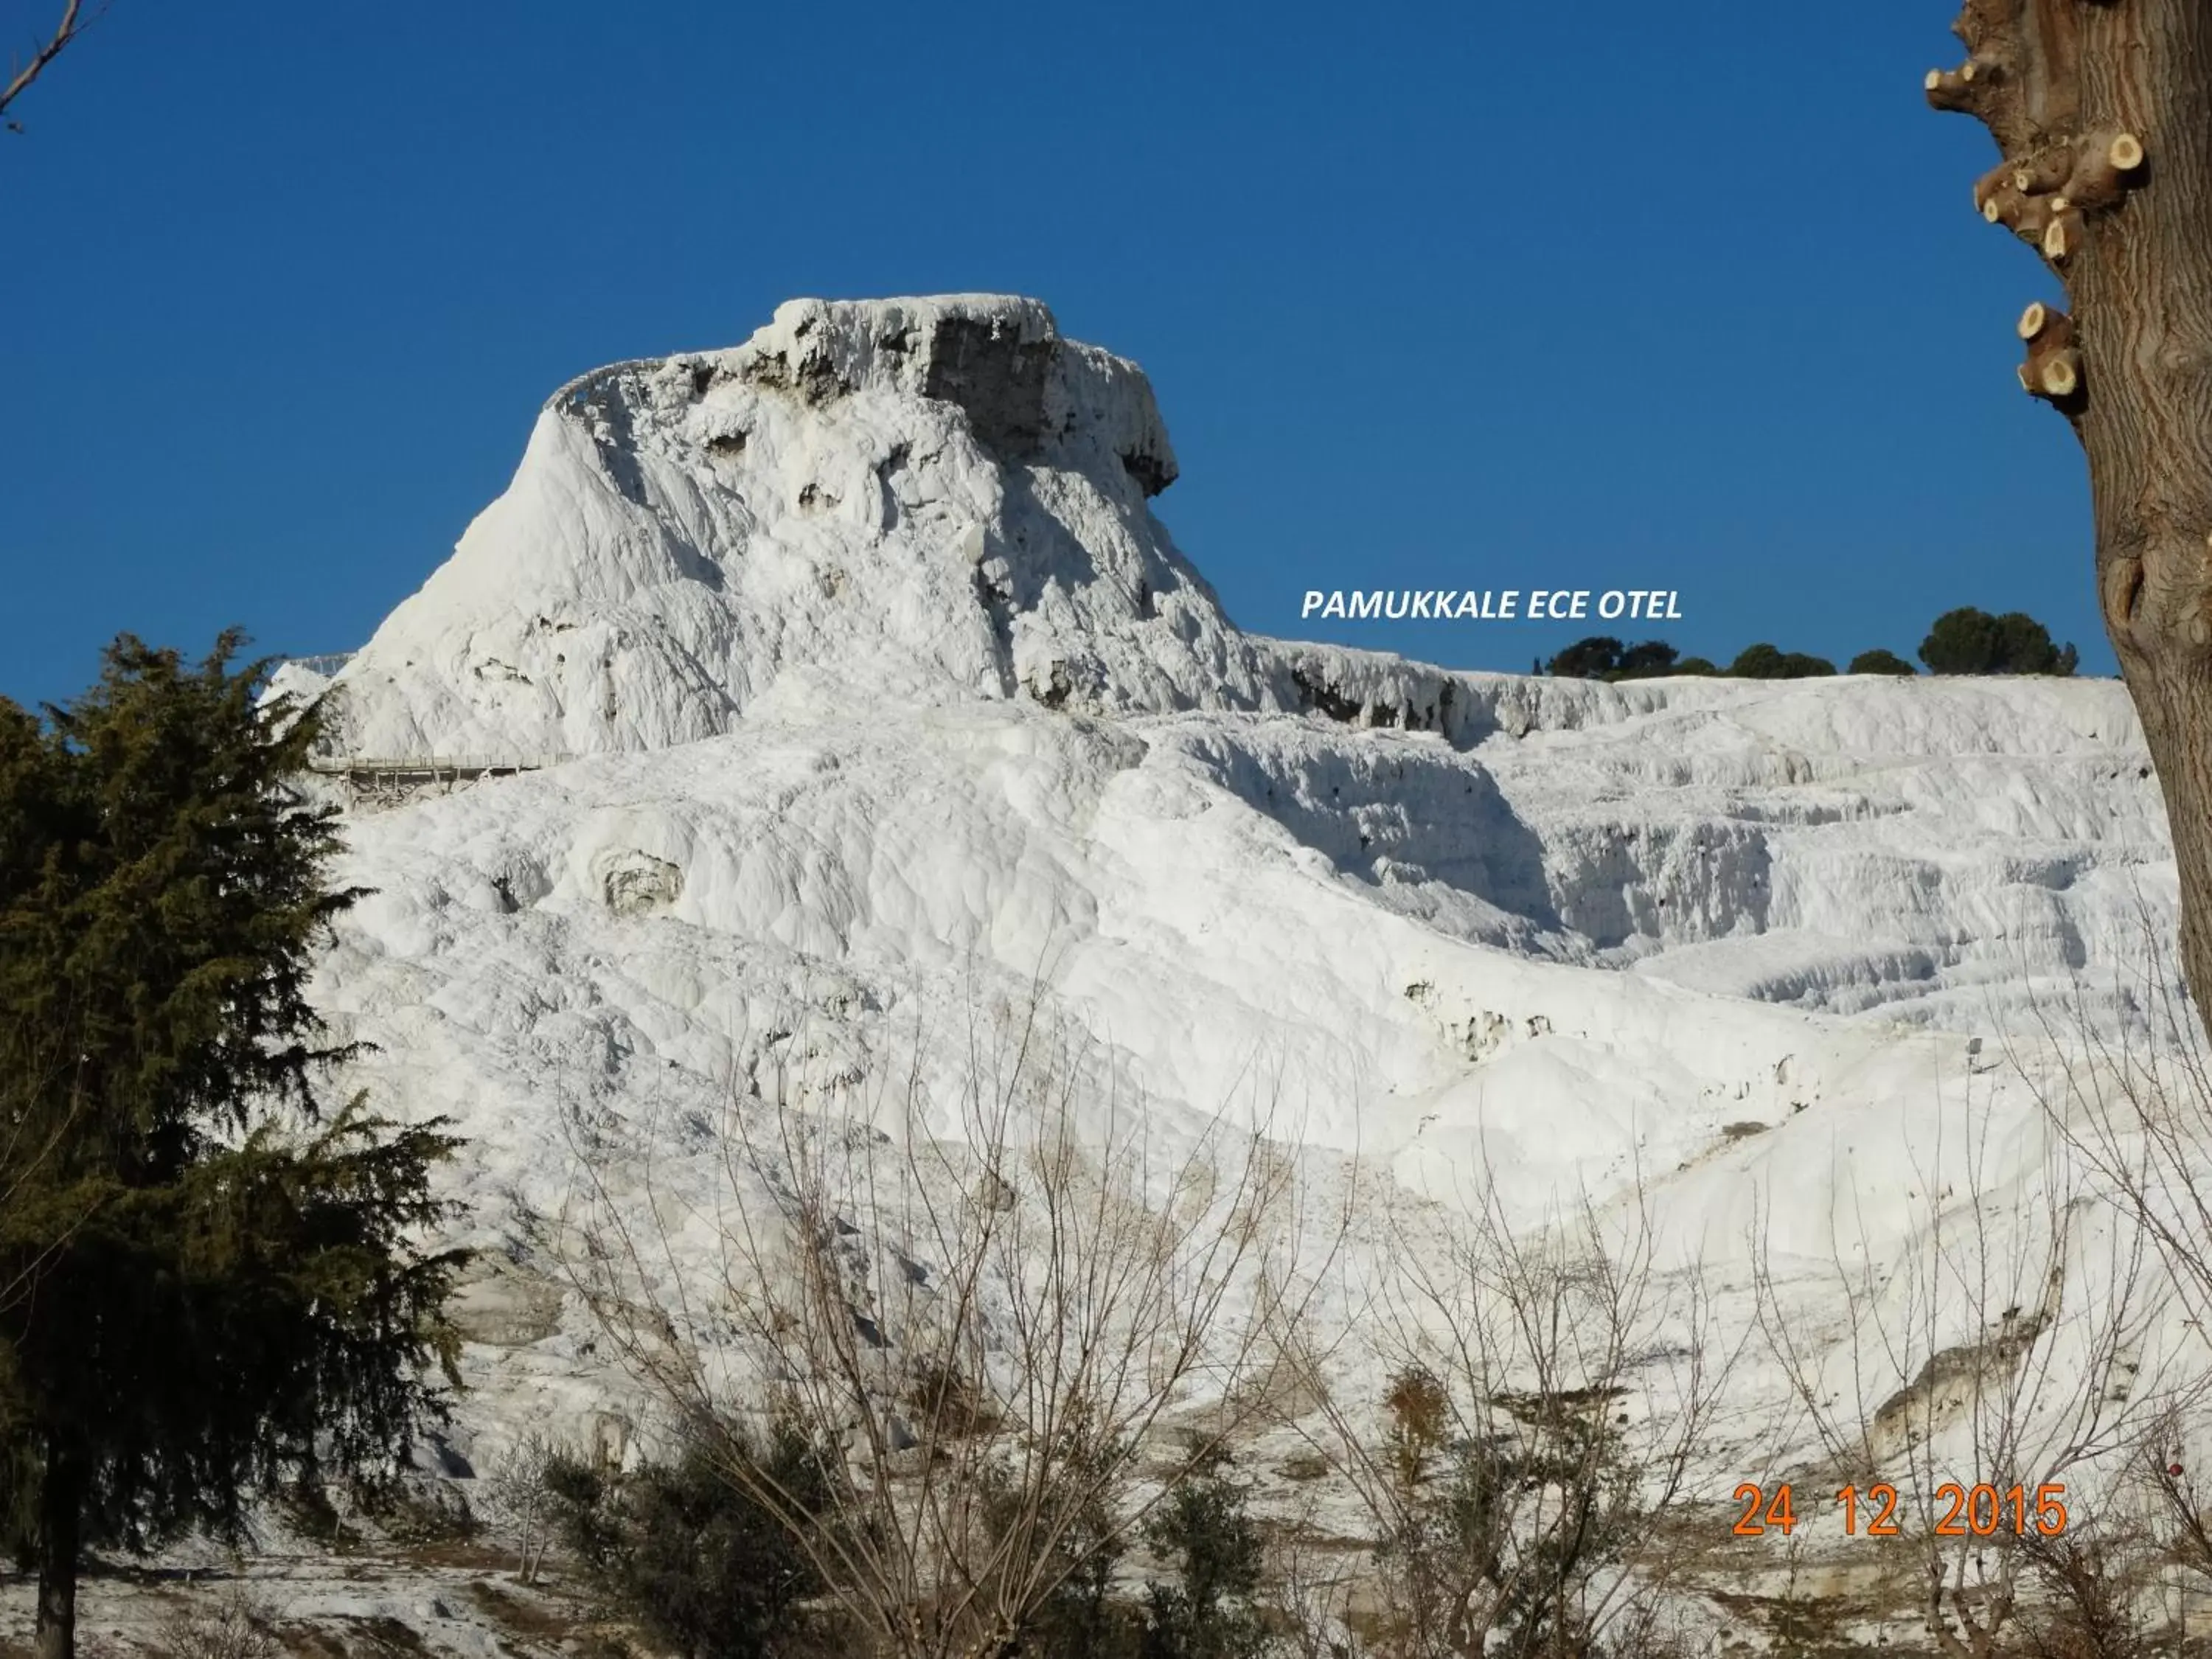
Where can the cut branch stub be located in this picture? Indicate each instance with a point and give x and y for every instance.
(2045, 328)
(1998, 199)
(2056, 376)
(2045, 171)
(2104, 167)
(1950, 89)
(2061, 236)
(2031, 218)
(2053, 369)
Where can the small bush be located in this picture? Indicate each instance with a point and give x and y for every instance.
(1204, 1607)
(1497, 1515)
(2094, 1596)
(680, 1550)
(1767, 662)
(1204, 1530)
(1879, 661)
(229, 1623)
(422, 1510)
(948, 1403)
(1071, 1534)
(1420, 1422)
(522, 1501)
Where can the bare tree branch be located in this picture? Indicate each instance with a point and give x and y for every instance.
(74, 22)
(1004, 1345)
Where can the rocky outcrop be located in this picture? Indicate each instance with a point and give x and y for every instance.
(941, 498)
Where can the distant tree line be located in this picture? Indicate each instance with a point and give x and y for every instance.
(1962, 642)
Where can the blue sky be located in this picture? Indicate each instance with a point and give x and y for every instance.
(1472, 296)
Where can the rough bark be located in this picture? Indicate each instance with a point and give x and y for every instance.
(61, 1500)
(2103, 110)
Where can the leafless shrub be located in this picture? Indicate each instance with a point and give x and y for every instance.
(522, 1500)
(2130, 1098)
(2006, 1349)
(1005, 1344)
(225, 1622)
(1548, 1389)
(1310, 1596)
(2094, 1590)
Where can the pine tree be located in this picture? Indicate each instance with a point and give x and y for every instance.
(1879, 661)
(208, 1289)
(1206, 1531)
(691, 1554)
(1651, 659)
(1970, 642)
(1768, 662)
(1592, 659)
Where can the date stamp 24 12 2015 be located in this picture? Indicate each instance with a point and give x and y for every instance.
(1977, 1512)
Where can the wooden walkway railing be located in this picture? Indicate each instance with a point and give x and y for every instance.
(391, 772)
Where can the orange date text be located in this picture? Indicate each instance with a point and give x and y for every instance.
(1978, 1511)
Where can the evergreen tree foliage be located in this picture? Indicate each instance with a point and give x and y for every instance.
(1970, 642)
(1204, 1609)
(1501, 1522)
(1593, 659)
(1085, 1616)
(1648, 660)
(683, 1550)
(1206, 1612)
(1879, 661)
(215, 1289)
(1601, 656)
(1767, 662)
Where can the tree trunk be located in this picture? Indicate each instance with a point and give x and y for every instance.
(60, 1514)
(2103, 110)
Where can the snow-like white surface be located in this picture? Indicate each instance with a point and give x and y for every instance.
(886, 704)
(931, 498)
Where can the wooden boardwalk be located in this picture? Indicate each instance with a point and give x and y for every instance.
(372, 772)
